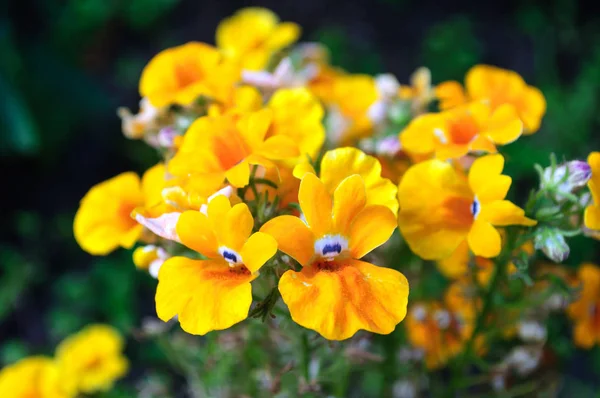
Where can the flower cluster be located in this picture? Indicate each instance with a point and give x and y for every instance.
(281, 176)
(87, 362)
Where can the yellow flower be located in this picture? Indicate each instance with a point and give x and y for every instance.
(33, 377)
(457, 265)
(498, 87)
(419, 92)
(103, 220)
(440, 208)
(455, 133)
(336, 294)
(585, 312)
(226, 146)
(349, 119)
(213, 294)
(340, 163)
(180, 75)
(298, 114)
(592, 212)
(252, 35)
(93, 358)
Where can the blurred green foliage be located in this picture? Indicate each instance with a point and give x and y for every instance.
(59, 81)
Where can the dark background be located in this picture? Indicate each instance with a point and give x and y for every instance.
(66, 65)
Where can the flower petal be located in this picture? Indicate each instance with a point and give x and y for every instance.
(163, 225)
(457, 265)
(239, 175)
(316, 205)
(371, 228)
(338, 303)
(257, 250)
(349, 199)
(495, 189)
(206, 294)
(484, 240)
(504, 212)
(483, 169)
(504, 126)
(279, 147)
(293, 237)
(195, 231)
(235, 228)
(302, 168)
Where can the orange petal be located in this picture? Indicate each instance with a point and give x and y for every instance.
(257, 250)
(338, 303)
(504, 212)
(484, 240)
(293, 237)
(195, 231)
(205, 294)
(349, 199)
(371, 228)
(316, 205)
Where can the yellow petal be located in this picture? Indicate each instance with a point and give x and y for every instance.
(239, 175)
(153, 183)
(257, 250)
(195, 231)
(504, 212)
(450, 94)
(371, 228)
(293, 237)
(532, 109)
(337, 304)
(284, 34)
(302, 168)
(484, 240)
(206, 294)
(235, 228)
(419, 136)
(457, 265)
(494, 189)
(316, 205)
(254, 126)
(349, 199)
(483, 169)
(592, 217)
(279, 147)
(435, 209)
(504, 126)
(481, 143)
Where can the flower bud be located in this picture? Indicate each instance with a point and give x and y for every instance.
(552, 243)
(566, 178)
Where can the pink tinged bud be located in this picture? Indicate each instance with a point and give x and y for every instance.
(567, 177)
(166, 137)
(163, 225)
(389, 146)
(387, 86)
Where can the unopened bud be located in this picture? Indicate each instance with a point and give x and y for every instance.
(552, 243)
(566, 178)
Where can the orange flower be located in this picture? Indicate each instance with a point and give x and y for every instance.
(498, 87)
(336, 294)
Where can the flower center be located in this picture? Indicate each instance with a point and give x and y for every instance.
(330, 246)
(475, 207)
(230, 255)
(463, 130)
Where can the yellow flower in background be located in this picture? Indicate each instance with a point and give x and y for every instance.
(341, 163)
(585, 312)
(349, 119)
(498, 87)
(92, 359)
(440, 208)
(419, 91)
(298, 114)
(455, 133)
(226, 146)
(336, 294)
(180, 75)
(252, 35)
(213, 294)
(34, 377)
(592, 212)
(103, 220)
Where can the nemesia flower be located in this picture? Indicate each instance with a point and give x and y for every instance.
(335, 293)
(92, 359)
(226, 146)
(585, 312)
(419, 92)
(180, 75)
(340, 163)
(456, 132)
(440, 208)
(215, 293)
(253, 35)
(150, 258)
(103, 220)
(498, 87)
(33, 377)
(135, 126)
(592, 212)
